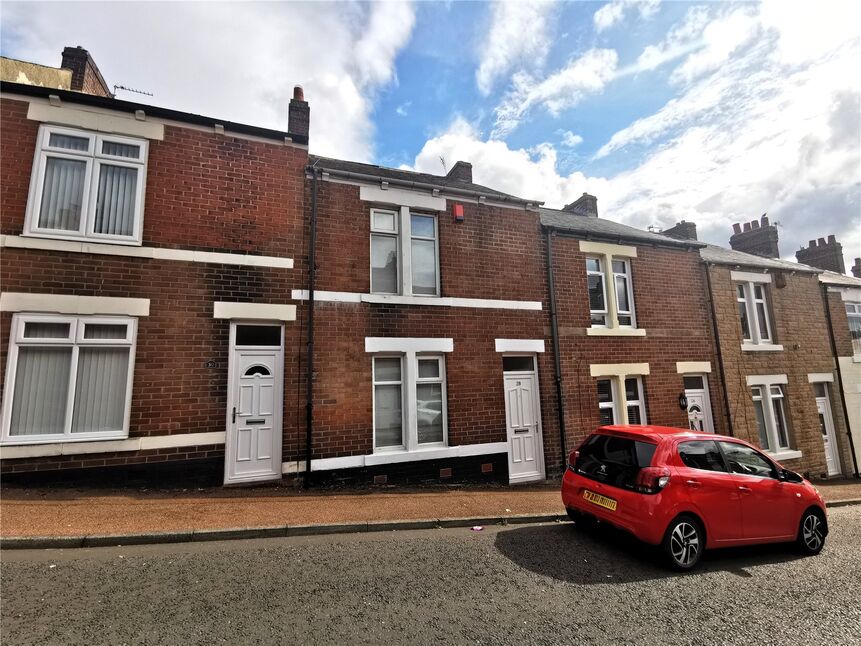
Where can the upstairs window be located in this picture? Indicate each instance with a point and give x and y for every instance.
(853, 313)
(611, 295)
(404, 253)
(69, 378)
(753, 313)
(87, 186)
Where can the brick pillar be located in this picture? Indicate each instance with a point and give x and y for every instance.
(299, 114)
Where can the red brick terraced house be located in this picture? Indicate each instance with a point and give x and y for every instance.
(778, 366)
(634, 326)
(429, 314)
(147, 265)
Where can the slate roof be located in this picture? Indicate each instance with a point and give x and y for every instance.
(721, 256)
(594, 228)
(833, 278)
(398, 174)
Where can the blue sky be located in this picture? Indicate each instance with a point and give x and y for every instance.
(714, 112)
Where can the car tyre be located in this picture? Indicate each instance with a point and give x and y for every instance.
(811, 533)
(684, 543)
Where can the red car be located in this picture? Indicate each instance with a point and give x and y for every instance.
(688, 492)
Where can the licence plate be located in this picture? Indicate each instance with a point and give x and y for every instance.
(598, 499)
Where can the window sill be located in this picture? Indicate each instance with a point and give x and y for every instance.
(394, 457)
(615, 331)
(856, 359)
(82, 239)
(761, 347)
(62, 439)
(784, 454)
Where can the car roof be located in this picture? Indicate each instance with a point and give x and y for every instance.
(658, 433)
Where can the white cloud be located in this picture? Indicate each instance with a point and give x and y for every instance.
(721, 38)
(571, 140)
(403, 109)
(234, 61)
(520, 35)
(563, 89)
(614, 12)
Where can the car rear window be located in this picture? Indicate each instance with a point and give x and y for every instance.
(615, 461)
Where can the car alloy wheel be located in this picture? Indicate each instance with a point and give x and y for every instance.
(812, 532)
(685, 544)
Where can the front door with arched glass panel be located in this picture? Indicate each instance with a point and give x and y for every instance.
(699, 406)
(253, 446)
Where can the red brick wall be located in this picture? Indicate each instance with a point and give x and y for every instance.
(799, 325)
(840, 325)
(206, 192)
(671, 305)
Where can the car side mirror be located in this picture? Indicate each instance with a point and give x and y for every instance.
(789, 476)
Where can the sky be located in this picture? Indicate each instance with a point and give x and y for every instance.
(713, 112)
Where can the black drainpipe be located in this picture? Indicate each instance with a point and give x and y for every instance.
(719, 352)
(839, 377)
(554, 331)
(312, 270)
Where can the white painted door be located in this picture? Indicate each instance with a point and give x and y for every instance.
(253, 447)
(826, 425)
(699, 406)
(523, 419)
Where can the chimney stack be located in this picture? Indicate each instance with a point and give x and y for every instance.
(682, 231)
(461, 171)
(758, 237)
(856, 268)
(585, 205)
(823, 255)
(86, 76)
(299, 114)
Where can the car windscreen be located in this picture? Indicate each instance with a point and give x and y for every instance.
(615, 461)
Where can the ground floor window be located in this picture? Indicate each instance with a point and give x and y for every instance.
(616, 396)
(68, 378)
(770, 417)
(409, 402)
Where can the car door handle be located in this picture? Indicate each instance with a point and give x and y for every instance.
(744, 489)
(693, 483)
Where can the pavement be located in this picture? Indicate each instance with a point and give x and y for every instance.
(551, 583)
(76, 517)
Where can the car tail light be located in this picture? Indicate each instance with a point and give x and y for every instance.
(652, 479)
(572, 459)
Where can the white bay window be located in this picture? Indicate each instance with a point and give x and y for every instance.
(68, 378)
(87, 185)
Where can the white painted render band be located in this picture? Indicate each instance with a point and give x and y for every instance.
(519, 345)
(819, 377)
(766, 380)
(401, 197)
(408, 344)
(253, 311)
(157, 253)
(98, 121)
(618, 369)
(608, 249)
(66, 304)
(358, 461)
(445, 301)
(749, 277)
(110, 446)
(693, 367)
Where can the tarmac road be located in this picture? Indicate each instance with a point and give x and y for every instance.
(533, 584)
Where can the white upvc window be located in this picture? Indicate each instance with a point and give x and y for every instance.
(409, 402)
(770, 417)
(68, 378)
(610, 290)
(404, 252)
(621, 401)
(853, 314)
(87, 185)
(753, 313)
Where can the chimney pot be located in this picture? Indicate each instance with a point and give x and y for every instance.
(754, 224)
(298, 93)
(832, 239)
(747, 226)
(736, 228)
(820, 242)
(811, 243)
(764, 220)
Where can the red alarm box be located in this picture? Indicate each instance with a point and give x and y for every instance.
(457, 212)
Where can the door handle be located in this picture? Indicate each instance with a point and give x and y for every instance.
(693, 483)
(234, 414)
(744, 489)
